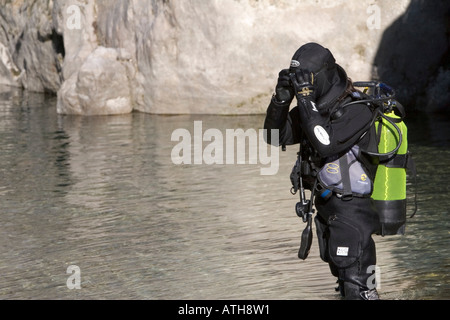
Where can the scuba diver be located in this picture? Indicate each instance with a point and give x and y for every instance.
(333, 123)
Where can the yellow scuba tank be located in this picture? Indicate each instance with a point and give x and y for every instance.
(389, 192)
(389, 189)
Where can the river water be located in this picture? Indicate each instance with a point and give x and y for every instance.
(103, 194)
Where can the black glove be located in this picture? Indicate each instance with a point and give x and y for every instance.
(303, 83)
(284, 92)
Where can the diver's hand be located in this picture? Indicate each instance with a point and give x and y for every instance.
(303, 83)
(284, 92)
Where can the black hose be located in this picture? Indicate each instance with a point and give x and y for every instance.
(400, 138)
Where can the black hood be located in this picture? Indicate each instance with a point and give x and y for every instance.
(330, 78)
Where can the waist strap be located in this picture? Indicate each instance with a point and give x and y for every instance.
(397, 161)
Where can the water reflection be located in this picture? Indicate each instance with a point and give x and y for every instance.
(102, 193)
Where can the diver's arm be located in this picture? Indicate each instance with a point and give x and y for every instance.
(279, 118)
(328, 137)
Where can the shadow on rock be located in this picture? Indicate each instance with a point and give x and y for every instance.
(413, 56)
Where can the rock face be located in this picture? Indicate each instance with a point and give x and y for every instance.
(190, 56)
(101, 81)
(10, 74)
(32, 52)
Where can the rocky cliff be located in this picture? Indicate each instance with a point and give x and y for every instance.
(181, 56)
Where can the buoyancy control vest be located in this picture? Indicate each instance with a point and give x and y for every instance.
(346, 176)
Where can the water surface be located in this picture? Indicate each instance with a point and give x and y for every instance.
(102, 193)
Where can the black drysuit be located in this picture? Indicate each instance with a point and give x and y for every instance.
(344, 228)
